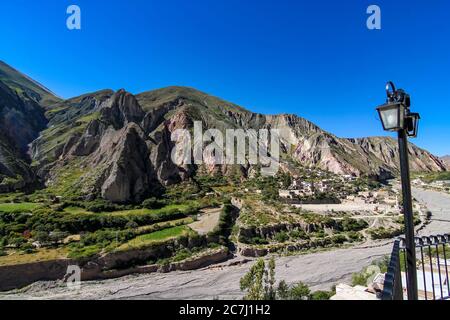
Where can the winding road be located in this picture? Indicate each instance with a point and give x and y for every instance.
(319, 270)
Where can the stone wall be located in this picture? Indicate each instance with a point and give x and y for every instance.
(19, 276)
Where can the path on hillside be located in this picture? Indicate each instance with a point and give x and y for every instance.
(319, 270)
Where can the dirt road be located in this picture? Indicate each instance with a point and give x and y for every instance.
(318, 270)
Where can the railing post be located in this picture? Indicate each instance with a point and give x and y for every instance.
(398, 285)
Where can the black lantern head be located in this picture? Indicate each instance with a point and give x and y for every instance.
(412, 124)
(392, 116)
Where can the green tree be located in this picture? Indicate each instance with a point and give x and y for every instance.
(252, 282)
(299, 291)
(283, 290)
(269, 291)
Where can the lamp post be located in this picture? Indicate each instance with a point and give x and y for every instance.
(396, 117)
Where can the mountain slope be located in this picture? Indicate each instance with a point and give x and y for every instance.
(23, 84)
(21, 120)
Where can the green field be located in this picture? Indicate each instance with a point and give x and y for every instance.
(164, 210)
(18, 207)
(155, 237)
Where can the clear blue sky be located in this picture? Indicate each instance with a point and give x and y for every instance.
(313, 58)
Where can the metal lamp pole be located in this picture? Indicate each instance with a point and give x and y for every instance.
(409, 216)
(395, 116)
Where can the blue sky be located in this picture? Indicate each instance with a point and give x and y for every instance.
(316, 58)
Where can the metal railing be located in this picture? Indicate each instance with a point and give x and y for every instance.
(433, 266)
(392, 289)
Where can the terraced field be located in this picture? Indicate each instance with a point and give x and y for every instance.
(33, 232)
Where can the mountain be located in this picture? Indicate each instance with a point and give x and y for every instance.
(22, 118)
(117, 145)
(446, 161)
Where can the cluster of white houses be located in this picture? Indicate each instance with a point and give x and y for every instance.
(301, 188)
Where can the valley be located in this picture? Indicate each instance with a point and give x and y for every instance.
(90, 181)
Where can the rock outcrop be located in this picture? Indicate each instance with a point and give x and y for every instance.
(128, 165)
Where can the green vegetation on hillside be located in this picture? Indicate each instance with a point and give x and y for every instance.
(436, 176)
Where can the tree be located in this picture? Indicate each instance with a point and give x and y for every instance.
(299, 291)
(252, 282)
(283, 290)
(269, 291)
(259, 281)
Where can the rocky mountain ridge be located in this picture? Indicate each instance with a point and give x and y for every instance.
(117, 145)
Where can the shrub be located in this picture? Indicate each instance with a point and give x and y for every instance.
(27, 248)
(321, 295)
(41, 236)
(299, 234)
(17, 241)
(153, 203)
(349, 224)
(299, 291)
(282, 237)
(338, 239)
(131, 225)
(354, 236)
(382, 233)
(100, 206)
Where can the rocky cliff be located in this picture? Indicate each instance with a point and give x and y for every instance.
(21, 120)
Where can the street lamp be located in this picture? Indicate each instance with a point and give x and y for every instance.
(396, 117)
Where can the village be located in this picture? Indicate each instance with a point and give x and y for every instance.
(341, 193)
